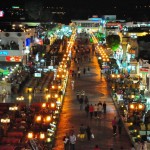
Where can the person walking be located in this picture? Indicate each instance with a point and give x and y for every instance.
(81, 103)
(72, 84)
(104, 107)
(114, 125)
(82, 132)
(79, 72)
(88, 132)
(87, 110)
(95, 110)
(119, 124)
(99, 110)
(91, 110)
(86, 100)
(72, 139)
(83, 94)
(66, 141)
(78, 94)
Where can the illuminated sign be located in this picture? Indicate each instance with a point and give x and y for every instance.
(114, 24)
(38, 75)
(144, 69)
(15, 7)
(13, 58)
(3, 53)
(1, 13)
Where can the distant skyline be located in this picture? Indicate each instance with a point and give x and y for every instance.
(82, 9)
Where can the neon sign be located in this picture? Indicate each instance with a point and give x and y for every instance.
(1, 13)
(13, 58)
(3, 53)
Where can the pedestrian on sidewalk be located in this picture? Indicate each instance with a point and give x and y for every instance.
(87, 110)
(86, 100)
(79, 72)
(95, 110)
(72, 139)
(83, 94)
(96, 147)
(72, 84)
(75, 74)
(88, 132)
(84, 70)
(78, 95)
(99, 103)
(66, 141)
(82, 132)
(91, 110)
(104, 107)
(114, 125)
(81, 103)
(99, 110)
(119, 124)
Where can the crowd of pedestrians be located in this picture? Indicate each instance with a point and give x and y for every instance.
(92, 111)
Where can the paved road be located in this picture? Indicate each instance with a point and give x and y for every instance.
(71, 117)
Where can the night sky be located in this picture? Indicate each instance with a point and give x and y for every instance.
(82, 9)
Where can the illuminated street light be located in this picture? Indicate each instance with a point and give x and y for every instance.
(13, 108)
(30, 135)
(20, 98)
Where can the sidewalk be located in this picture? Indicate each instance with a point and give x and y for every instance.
(71, 117)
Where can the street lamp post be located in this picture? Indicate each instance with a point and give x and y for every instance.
(5, 122)
(20, 98)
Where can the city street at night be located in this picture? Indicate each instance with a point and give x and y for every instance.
(74, 75)
(96, 89)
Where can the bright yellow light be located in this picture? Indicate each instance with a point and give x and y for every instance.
(48, 140)
(42, 135)
(30, 135)
(56, 95)
(38, 118)
(52, 105)
(43, 105)
(53, 86)
(113, 75)
(138, 136)
(118, 76)
(48, 96)
(131, 106)
(48, 118)
(140, 106)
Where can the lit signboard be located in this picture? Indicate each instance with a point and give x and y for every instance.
(1, 13)
(13, 58)
(144, 70)
(28, 41)
(37, 75)
(3, 53)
